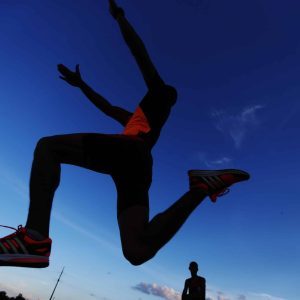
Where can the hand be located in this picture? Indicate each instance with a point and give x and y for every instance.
(115, 10)
(73, 78)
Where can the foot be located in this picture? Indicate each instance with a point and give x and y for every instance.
(20, 250)
(216, 182)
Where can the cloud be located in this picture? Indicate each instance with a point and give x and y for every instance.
(264, 296)
(222, 296)
(219, 295)
(154, 289)
(221, 161)
(213, 163)
(239, 125)
(169, 293)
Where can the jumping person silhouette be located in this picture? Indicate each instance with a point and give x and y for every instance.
(195, 286)
(126, 157)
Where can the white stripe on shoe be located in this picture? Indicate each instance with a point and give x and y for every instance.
(213, 181)
(12, 246)
(210, 184)
(21, 245)
(3, 248)
(219, 181)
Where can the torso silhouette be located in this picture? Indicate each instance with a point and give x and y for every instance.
(194, 288)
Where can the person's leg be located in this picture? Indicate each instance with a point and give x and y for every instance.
(142, 239)
(30, 246)
(49, 154)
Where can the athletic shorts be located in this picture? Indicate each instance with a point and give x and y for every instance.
(128, 160)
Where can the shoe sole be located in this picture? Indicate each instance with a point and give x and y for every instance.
(219, 172)
(26, 261)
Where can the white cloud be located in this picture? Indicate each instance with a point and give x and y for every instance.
(220, 295)
(221, 161)
(154, 289)
(239, 125)
(264, 296)
(169, 293)
(213, 163)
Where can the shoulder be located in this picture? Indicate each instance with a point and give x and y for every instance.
(165, 92)
(202, 279)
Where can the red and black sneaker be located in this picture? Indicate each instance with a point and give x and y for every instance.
(20, 250)
(216, 183)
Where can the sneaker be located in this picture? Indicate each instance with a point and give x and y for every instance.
(20, 250)
(215, 183)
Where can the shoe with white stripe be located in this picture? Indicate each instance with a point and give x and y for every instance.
(215, 183)
(20, 250)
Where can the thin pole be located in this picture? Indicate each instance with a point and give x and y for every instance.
(56, 283)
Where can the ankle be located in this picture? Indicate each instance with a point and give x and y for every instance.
(197, 192)
(35, 235)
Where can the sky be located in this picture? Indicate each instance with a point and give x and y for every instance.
(235, 65)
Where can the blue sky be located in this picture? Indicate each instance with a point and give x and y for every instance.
(235, 65)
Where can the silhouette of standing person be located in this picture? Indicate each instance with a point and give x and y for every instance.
(195, 286)
(126, 157)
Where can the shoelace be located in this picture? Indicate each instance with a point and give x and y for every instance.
(16, 229)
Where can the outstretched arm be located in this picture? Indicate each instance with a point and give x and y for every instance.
(74, 78)
(136, 46)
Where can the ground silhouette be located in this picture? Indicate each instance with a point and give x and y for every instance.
(3, 296)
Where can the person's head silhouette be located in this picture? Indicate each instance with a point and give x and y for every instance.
(193, 268)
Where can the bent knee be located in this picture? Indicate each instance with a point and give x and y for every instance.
(134, 260)
(44, 142)
(45, 146)
(137, 257)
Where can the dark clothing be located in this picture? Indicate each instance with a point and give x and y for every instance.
(196, 287)
(126, 158)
